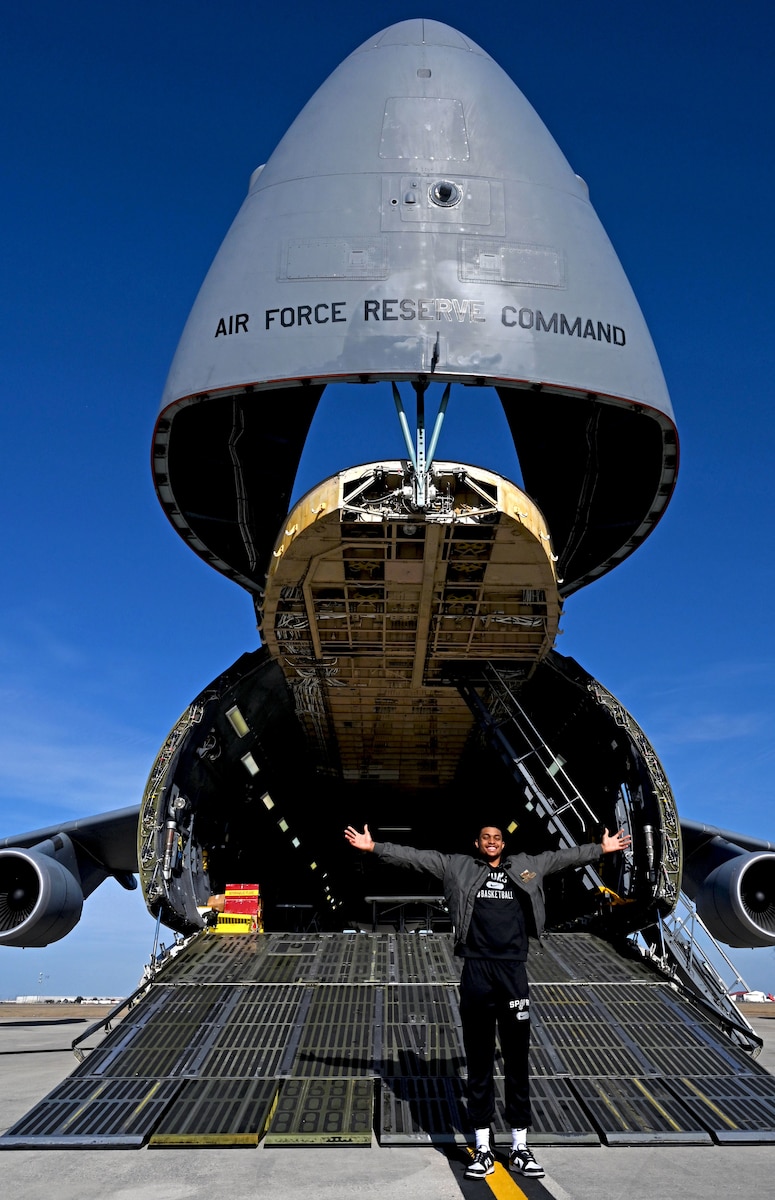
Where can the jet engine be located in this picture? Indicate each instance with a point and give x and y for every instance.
(732, 886)
(40, 893)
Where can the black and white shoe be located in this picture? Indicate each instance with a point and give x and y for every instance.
(481, 1164)
(522, 1162)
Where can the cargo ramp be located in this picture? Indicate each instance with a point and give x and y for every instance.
(330, 1039)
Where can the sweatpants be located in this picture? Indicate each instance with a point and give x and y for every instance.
(496, 991)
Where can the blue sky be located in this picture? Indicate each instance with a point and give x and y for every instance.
(131, 130)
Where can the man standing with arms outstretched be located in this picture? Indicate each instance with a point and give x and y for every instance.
(496, 902)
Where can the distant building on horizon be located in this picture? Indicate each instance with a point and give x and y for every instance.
(66, 999)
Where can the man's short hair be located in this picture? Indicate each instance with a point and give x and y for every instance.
(490, 825)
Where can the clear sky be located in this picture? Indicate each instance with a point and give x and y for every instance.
(130, 132)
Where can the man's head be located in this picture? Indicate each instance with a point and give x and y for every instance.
(490, 844)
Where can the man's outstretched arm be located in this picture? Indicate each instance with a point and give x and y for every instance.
(360, 841)
(402, 856)
(577, 856)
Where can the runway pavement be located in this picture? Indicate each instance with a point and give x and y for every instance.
(35, 1056)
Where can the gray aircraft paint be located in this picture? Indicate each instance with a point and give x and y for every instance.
(352, 254)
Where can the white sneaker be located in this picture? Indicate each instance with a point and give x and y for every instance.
(481, 1164)
(522, 1162)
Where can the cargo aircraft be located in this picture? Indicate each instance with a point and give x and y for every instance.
(417, 236)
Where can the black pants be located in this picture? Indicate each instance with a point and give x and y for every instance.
(490, 992)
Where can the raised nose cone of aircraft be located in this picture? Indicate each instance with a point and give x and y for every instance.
(417, 219)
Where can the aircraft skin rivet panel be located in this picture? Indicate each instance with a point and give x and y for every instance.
(366, 1033)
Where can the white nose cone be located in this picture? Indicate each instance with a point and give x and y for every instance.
(418, 218)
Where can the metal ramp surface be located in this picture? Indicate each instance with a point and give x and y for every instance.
(319, 1039)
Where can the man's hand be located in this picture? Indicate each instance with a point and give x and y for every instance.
(616, 841)
(362, 841)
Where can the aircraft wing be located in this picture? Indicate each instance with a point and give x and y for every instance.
(46, 874)
(696, 834)
(110, 838)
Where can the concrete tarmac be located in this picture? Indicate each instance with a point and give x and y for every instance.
(35, 1056)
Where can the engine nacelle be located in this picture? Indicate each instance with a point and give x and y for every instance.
(40, 897)
(736, 900)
